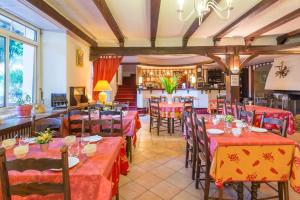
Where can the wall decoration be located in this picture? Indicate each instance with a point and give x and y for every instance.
(79, 57)
(235, 80)
(282, 70)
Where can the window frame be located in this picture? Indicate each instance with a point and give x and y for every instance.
(36, 44)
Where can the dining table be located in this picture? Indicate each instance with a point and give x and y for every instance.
(272, 113)
(252, 157)
(95, 177)
(171, 111)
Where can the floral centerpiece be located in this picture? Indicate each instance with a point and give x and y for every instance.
(169, 84)
(24, 106)
(44, 138)
(228, 118)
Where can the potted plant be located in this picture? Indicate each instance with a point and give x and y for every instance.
(44, 138)
(24, 106)
(170, 84)
(228, 123)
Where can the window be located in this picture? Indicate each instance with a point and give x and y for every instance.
(17, 60)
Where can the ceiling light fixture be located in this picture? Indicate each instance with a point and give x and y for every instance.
(202, 7)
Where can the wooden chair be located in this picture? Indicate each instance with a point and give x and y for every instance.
(42, 164)
(177, 99)
(54, 124)
(163, 99)
(204, 156)
(228, 109)
(238, 107)
(75, 125)
(190, 148)
(156, 118)
(282, 187)
(220, 104)
(246, 116)
(116, 118)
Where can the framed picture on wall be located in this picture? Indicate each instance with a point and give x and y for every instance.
(79, 57)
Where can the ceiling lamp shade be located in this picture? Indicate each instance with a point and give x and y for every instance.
(101, 86)
(203, 7)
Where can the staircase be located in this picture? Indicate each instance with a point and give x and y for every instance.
(127, 92)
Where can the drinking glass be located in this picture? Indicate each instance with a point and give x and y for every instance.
(74, 149)
(83, 140)
(23, 139)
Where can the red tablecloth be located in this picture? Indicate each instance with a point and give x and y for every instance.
(173, 110)
(93, 178)
(274, 113)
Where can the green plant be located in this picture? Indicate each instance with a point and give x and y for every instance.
(24, 100)
(169, 83)
(44, 137)
(229, 118)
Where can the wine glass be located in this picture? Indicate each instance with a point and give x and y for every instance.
(84, 139)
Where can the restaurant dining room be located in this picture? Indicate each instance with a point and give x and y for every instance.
(149, 99)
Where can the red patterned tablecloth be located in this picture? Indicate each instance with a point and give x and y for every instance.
(274, 113)
(93, 178)
(173, 110)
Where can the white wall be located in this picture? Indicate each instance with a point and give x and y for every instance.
(128, 70)
(291, 81)
(78, 76)
(53, 62)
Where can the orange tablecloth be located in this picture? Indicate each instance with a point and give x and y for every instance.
(93, 178)
(253, 157)
(274, 113)
(173, 110)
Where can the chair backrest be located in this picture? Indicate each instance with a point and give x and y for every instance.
(281, 124)
(188, 104)
(228, 108)
(188, 125)
(42, 164)
(238, 107)
(163, 99)
(202, 140)
(177, 98)
(155, 98)
(104, 127)
(220, 104)
(116, 121)
(75, 116)
(247, 116)
(154, 108)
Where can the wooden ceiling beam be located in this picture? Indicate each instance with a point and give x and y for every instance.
(285, 19)
(246, 16)
(283, 38)
(155, 7)
(52, 13)
(169, 65)
(104, 10)
(95, 52)
(193, 27)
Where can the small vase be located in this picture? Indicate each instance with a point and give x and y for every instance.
(44, 147)
(228, 127)
(169, 96)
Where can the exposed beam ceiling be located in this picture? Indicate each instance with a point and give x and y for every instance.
(103, 8)
(155, 6)
(169, 65)
(52, 13)
(248, 15)
(193, 27)
(95, 52)
(283, 38)
(289, 17)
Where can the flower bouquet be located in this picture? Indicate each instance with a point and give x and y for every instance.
(44, 138)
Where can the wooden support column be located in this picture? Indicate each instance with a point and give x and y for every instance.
(232, 89)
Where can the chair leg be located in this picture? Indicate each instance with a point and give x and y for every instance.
(254, 187)
(207, 185)
(129, 148)
(286, 191)
(280, 190)
(172, 125)
(158, 125)
(240, 191)
(221, 191)
(198, 168)
(117, 194)
(151, 121)
(187, 152)
(194, 156)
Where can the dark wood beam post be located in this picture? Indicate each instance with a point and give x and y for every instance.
(193, 27)
(232, 91)
(248, 15)
(289, 17)
(155, 7)
(52, 13)
(103, 8)
(283, 38)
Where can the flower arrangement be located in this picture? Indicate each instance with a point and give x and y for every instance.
(229, 118)
(26, 100)
(169, 83)
(44, 137)
(24, 106)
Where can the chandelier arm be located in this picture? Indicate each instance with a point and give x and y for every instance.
(187, 17)
(216, 7)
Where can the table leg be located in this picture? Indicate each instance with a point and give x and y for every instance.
(172, 125)
(240, 191)
(169, 124)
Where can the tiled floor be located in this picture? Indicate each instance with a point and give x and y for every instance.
(157, 171)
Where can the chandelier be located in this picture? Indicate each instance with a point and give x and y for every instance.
(203, 7)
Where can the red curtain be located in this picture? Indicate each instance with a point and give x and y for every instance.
(104, 68)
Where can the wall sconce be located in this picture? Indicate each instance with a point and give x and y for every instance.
(235, 65)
